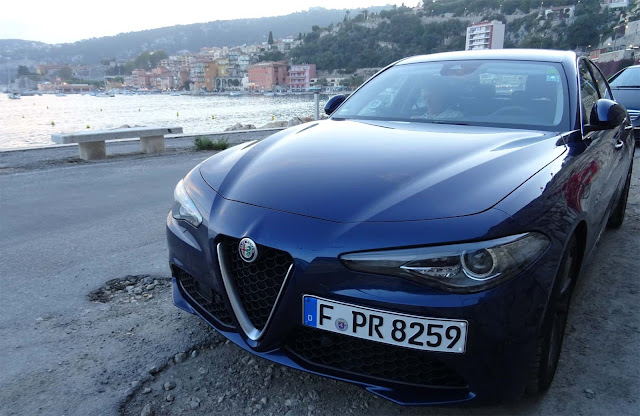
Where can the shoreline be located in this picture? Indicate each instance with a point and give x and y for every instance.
(174, 136)
(18, 160)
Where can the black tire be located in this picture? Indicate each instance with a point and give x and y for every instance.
(617, 215)
(554, 323)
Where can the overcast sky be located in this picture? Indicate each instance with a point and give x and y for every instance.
(60, 21)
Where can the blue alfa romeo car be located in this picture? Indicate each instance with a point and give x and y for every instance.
(425, 240)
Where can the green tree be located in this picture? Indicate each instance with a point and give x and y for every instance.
(23, 71)
(65, 73)
(585, 30)
(270, 41)
(156, 57)
(353, 81)
(272, 55)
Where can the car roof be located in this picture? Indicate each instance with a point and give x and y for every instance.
(543, 55)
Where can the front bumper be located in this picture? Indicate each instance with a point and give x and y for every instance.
(413, 396)
(503, 322)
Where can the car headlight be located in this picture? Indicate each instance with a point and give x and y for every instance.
(461, 268)
(184, 208)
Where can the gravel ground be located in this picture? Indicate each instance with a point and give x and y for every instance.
(101, 336)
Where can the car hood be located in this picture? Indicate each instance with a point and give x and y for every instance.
(628, 97)
(354, 171)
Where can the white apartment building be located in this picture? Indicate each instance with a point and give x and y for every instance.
(485, 35)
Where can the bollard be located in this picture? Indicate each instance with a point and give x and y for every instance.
(273, 118)
(177, 114)
(88, 126)
(212, 118)
(53, 124)
(316, 103)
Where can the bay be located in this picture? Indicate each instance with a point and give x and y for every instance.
(27, 122)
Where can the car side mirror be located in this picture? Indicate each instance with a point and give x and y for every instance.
(333, 103)
(606, 115)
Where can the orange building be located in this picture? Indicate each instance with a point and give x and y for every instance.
(266, 76)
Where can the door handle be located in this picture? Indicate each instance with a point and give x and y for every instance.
(619, 145)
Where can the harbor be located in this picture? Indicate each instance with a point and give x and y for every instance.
(29, 121)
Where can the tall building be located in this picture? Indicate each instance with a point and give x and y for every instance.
(485, 35)
(203, 75)
(300, 76)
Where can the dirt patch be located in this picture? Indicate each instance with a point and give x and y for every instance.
(129, 289)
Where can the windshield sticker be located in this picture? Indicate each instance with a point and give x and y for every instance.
(553, 75)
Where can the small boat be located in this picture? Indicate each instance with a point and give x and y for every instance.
(175, 94)
(269, 94)
(234, 94)
(61, 94)
(105, 94)
(14, 96)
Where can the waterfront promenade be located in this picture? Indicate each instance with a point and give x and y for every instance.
(67, 228)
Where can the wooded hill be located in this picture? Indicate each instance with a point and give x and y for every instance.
(377, 39)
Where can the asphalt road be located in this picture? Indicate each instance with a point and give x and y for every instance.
(66, 229)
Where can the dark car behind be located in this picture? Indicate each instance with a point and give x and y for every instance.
(625, 86)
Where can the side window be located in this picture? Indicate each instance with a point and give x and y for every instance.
(588, 91)
(601, 83)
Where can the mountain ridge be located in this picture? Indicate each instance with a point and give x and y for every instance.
(172, 39)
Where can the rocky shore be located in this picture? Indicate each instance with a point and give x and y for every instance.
(274, 124)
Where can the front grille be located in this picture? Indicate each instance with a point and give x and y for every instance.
(370, 359)
(215, 307)
(258, 283)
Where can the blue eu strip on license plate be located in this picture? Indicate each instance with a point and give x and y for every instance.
(310, 310)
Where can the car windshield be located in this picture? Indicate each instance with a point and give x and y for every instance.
(514, 94)
(630, 77)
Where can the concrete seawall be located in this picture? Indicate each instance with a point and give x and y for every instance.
(27, 158)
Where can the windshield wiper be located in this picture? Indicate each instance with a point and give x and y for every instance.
(446, 122)
(625, 86)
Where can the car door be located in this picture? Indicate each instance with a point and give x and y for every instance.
(624, 141)
(601, 154)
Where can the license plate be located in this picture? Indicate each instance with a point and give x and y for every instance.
(429, 334)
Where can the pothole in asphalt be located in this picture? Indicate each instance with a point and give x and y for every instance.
(130, 289)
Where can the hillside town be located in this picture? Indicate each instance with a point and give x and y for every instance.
(212, 69)
(301, 64)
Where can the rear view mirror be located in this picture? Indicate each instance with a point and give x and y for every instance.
(605, 115)
(333, 103)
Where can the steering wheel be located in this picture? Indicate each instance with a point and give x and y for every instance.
(510, 110)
